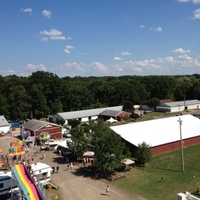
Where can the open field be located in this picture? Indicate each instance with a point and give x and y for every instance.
(162, 178)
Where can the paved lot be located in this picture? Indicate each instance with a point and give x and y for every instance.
(72, 185)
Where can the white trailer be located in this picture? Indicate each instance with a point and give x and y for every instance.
(7, 182)
(41, 172)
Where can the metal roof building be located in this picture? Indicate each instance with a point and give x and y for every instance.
(178, 106)
(84, 115)
(161, 134)
(36, 127)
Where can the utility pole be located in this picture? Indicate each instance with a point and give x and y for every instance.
(181, 145)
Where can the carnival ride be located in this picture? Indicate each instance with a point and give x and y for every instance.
(26, 182)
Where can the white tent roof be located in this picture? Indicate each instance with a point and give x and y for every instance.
(64, 143)
(159, 131)
(111, 120)
(88, 154)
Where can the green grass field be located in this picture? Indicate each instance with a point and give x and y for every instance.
(148, 183)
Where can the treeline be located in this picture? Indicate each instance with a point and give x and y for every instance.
(44, 93)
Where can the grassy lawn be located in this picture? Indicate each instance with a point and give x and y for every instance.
(147, 181)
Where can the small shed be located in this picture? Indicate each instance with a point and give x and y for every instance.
(36, 127)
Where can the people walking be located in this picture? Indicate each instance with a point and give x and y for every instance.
(108, 190)
(43, 155)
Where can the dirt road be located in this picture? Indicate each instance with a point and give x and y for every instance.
(74, 186)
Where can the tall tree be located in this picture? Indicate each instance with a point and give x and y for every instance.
(79, 142)
(154, 102)
(128, 106)
(39, 108)
(109, 148)
(143, 153)
(19, 106)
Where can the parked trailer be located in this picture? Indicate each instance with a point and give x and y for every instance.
(7, 182)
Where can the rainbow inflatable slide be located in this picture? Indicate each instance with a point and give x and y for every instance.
(26, 182)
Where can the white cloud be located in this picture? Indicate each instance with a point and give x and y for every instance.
(40, 67)
(183, 1)
(67, 49)
(141, 26)
(197, 14)
(73, 66)
(181, 64)
(193, 1)
(26, 10)
(180, 51)
(44, 39)
(53, 34)
(117, 58)
(158, 29)
(196, 1)
(101, 67)
(46, 13)
(126, 53)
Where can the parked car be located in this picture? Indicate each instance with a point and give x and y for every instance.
(67, 134)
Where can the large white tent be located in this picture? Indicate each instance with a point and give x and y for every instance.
(159, 131)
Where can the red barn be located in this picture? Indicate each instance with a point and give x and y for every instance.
(162, 134)
(36, 127)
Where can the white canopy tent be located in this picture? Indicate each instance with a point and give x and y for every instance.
(111, 120)
(88, 154)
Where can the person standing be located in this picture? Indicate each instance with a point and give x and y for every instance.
(53, 170)
(57, 168)
(71, 165)
(43, 155)
(108, 190)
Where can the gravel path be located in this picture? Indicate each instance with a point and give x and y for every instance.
(73, 186)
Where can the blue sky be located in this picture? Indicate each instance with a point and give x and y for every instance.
(100, 37)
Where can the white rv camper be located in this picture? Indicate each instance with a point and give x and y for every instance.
(7, 182)
(41, 173)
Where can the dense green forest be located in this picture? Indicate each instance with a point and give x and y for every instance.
(43, 93)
